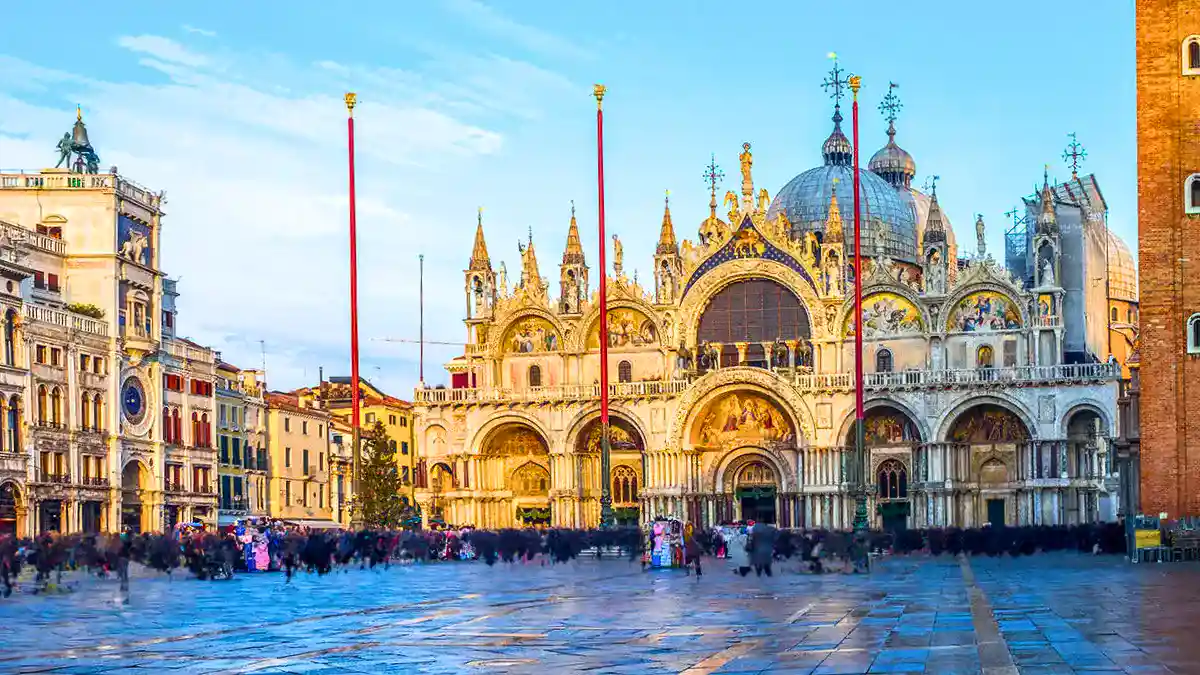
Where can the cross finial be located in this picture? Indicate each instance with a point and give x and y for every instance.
(890, 106)
(572, 208)
(931, 184)
(667, 199)
(835, 82)
(713, 174)
(531, 235)
(1012, 213)
(479, 217)
(1074, 154)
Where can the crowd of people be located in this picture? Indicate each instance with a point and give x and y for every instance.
(272, 546)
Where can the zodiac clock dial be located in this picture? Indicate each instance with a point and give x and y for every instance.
(133, 400)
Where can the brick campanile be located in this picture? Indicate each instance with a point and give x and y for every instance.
(1168, 146)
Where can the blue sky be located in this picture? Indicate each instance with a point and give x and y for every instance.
(236, 112)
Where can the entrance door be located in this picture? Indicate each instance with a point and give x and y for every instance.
(758, 504)
(50, 516)
(894, 515)
(131, 517)
(995, 512)
(8, 509)
(90, 515)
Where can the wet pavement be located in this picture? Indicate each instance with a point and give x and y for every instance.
(1054, 613)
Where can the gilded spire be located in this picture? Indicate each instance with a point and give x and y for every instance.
(935, 228)
(666, 236)
(479, 255)
(833, 223)
(1047, 219)
(573, 254)
(531, 278)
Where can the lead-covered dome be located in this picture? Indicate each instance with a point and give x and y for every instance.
(1122, 270)
(805, 201)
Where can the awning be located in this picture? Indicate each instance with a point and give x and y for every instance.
(317, 524)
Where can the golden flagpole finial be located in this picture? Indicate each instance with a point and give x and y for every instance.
(78, 113)
(855, 83)
(351, 101)
(598, 91)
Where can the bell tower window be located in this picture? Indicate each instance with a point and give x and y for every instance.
(1193, 334)
(1191, 55)
(1191, 194)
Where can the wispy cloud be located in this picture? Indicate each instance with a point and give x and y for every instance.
(199, 31)
(528, 37)
(250, 149)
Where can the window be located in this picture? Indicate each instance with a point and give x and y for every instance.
(370, 418)
(14, 424)
(168, 320)
(56, 406)
(304, 461)
(392, 420)
(1193, 334)
(1129, 315)
(237, 451)
(221, 415)
(1010, 353)
(320, 461)
(287, 424)
(172, 382)
(168, 429)
(535, 376)
(403, 421)
(43, 405)
(624, 372)
(39, 279)
(98, 412)
(205, 431)
(39, 354)
(1113, 315)
(404, 475)
(223, 441)
(892, 480)
(85, 410)
(392, 446)
(287, 492)
(320, 497)
(1191, 55)
(883, 361)
(320, 431)
(624, 485)
(985, 357)
(1191, 194)
(85, 363)
(404, 447)
(10, 338)
(174, 420)
(304, 427)
(98, 365)
(287, 458)
(52, 282)
(55, 356)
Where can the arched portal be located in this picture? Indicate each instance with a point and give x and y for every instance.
(754, 312)
(10, 503)
(509, 457)
(755, 485)
(135, 481)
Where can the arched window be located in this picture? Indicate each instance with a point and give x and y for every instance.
(892, 480)
(14, 424)
(175, 419)
(883, 361)
(10, 337)
(624, 485)
(535, 376)
(754, 311)
(85, 410)
(985, 357)
(1192, 62)
(205, 432)
(43, 409)
(624, 372)
(1193, 334)
(168, 435)
(1191, 194)
(98, 412)
(1129, 315)
(1113, 314)
(56, 406)
(195, 430)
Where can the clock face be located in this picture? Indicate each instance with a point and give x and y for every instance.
(133, 400)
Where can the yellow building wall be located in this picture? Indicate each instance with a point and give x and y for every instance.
(295, 494)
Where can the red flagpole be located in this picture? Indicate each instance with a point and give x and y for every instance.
(605, 497)
(351, 101)
(860, 511)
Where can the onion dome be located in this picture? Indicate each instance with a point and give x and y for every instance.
(837, 149)
(892, 162)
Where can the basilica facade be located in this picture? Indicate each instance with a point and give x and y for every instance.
(732, 381)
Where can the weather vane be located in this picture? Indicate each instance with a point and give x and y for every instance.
(835, 82)
(1074, 154)
(891, 104)
(713, 174)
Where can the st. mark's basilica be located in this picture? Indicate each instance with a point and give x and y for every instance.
(991, 388)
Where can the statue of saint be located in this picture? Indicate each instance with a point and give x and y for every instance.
(618, 256)
(980, 242)
(503, 282)
(747, 161)
(1047, 272)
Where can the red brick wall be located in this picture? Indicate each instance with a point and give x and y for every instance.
(1168, 127)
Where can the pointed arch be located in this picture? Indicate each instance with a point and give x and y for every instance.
(56, 411)
(43, 404)
(85, 410)
(14, 413)
(98, 412)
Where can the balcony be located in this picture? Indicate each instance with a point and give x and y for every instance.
(57, 317)
(31, 238)
(50, 424)
(170, 486)
(1063, 374)
(93, 481)
(186, 352)
(53, 478)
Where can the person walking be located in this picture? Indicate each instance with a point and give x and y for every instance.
(762, 547)
(737, 548)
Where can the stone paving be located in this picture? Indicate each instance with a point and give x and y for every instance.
(1054, 613)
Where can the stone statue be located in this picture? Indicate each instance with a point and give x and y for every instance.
(747, 161)
(1047, 272)
(618, 256)
(683, 358)
(478, 291)
(571, 295)
(980, 241)
(936, 273)
(93, 163)
(503, 282)
(664, 287)
(64, 151)
(764, 199)
(881, 232)
(135, 247)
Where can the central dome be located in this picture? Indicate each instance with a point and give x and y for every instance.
(805, 202)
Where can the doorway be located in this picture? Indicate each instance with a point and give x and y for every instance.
(894, 516)
(50, 516)
(995, 512)
(758, 503)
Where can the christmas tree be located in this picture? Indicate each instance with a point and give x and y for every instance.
(378, 500)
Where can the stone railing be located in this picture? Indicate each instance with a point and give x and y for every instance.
(1049, 321)
(57, 317)
(58, 180)
(34, 239)
(1020, 376)
(182, 350)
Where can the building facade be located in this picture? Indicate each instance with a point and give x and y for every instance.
(299, 456)
(731, 376)
(1168, 104)
(89, 348)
